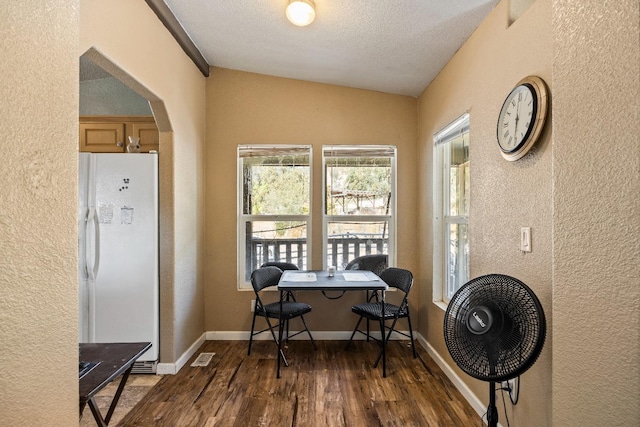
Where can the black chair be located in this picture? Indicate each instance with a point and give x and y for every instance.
(281, 265)
(403, 281)
(375, 262)
(266, 277)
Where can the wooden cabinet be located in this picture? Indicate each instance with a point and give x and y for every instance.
(110, 134)
(102, 137)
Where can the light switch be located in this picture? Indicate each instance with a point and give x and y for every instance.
(525, 239)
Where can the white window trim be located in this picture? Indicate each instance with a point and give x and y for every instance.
(241, 283)
(391, 218)
(441, 193)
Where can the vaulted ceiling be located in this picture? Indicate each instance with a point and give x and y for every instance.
(389, 46)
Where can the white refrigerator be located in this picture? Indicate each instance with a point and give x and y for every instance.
(118, 251)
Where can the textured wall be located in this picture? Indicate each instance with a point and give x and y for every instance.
(504, 195)
(596, 163)
(38, 204)
(246, 108)
(131, 36)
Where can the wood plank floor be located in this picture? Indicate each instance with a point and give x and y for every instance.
(327, 387)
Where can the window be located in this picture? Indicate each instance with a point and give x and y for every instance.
(451, 216)
(359, 202)
(273, 207)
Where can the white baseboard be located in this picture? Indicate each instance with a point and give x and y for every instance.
(173, 368)
(466, 392)
(317, 335)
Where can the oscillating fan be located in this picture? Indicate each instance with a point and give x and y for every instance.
(494, 329)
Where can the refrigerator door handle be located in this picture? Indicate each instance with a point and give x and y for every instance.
(92, 272)
(84, 269)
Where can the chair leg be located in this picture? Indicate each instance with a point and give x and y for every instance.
(386, 338)
(413, 346)
(275, 340)
(353, 333)
(253, 324)
(384, 343)
(286, 324)
(313, 343)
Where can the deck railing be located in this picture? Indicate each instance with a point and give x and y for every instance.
(342, 249)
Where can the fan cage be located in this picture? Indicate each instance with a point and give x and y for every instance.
(516, 338)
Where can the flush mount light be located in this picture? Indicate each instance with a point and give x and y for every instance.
(301, 12)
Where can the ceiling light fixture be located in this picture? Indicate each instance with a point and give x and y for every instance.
(301, 12)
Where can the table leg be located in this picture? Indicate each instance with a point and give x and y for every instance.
(103, 422)
(116, 398)
(96, 413)
(384, 341)
(279, 335)
(82, 405)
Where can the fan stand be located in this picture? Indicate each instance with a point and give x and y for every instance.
(492, 410)
(494, 321)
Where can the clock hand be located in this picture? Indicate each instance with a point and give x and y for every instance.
(515, 130)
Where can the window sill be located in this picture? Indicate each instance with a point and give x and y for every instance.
(441, 304)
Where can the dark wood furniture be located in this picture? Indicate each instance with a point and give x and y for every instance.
(356, 280)
(113, 359)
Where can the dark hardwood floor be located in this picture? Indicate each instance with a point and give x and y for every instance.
(327, 387)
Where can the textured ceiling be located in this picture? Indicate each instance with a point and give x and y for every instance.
(90, 71)
(393, 46)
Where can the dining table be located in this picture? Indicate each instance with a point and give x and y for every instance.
(330, 280)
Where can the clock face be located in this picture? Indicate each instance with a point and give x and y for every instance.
(517, 118)
(522, 118)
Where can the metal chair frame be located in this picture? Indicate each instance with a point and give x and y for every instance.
(269, 276)
(396, 278)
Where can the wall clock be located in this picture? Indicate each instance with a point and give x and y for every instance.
(522, 117)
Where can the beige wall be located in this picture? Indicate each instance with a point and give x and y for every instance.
(245, 108)
(596, 211)
(130, 36)
(38, 240)
(504, 195)
(578, 190)
(584, 223)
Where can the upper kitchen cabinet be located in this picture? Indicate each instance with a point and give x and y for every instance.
(111, 112)
(110, 134)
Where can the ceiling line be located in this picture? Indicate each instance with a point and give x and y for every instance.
(171, 23)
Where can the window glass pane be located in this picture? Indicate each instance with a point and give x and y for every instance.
(275, 241)
(274, 199)
(458, 176)
(358, 185)
(347, 240)
(452, 192)
(457, 258)
(276, 185)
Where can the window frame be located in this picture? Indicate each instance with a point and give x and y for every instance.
(391, 218)
(441, 220)
(241, 218)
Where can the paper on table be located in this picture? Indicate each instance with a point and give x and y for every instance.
(355, 277)
(300, 277)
